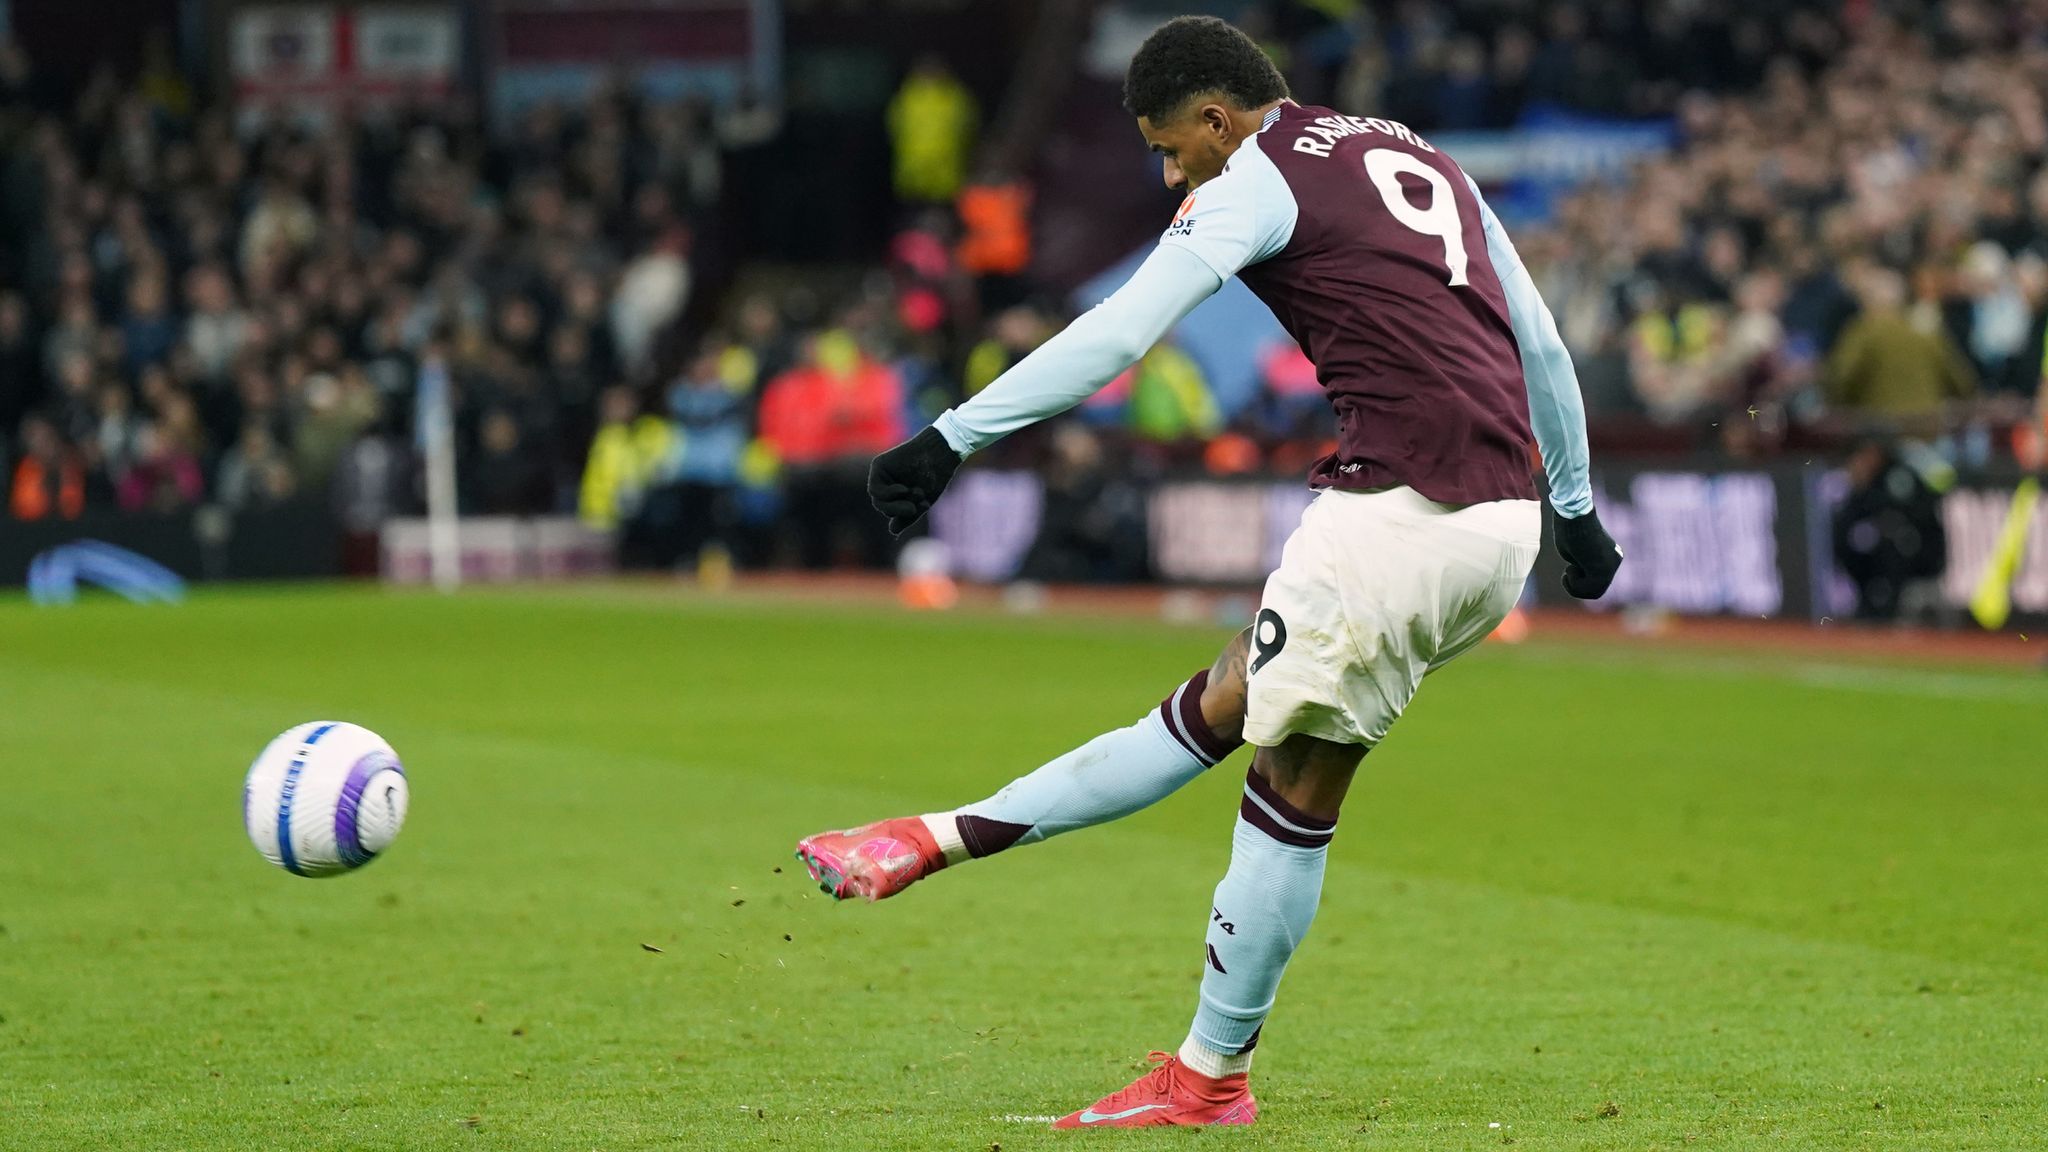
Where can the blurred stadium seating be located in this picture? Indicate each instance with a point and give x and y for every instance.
(1800, 252)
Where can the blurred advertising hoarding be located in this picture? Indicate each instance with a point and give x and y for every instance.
(294, 541)
(498, 549)
(1551, 151)
(1752, 542)
(561, 50)
(310, 62)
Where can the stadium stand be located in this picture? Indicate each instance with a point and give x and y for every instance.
(1843, 235)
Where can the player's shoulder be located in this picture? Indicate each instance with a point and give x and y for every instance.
(1249, 187)
(1245, 214)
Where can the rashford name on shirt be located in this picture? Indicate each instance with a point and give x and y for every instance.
(1321, 134)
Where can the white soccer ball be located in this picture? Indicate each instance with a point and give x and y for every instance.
(324, 798)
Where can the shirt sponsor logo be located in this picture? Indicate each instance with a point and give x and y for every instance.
(1183, 219)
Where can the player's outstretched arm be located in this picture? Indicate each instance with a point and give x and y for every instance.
(1557, 414)
(906, 480)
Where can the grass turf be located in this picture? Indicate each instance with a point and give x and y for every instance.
(1599, 898)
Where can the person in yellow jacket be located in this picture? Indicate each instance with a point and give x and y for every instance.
(932, 121)
(626, 458)
(1170, 399)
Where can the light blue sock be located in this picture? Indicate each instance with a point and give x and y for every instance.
(1108, 778)
(1262, 910)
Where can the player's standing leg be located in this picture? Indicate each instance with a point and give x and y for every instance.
(1108, 778)
(1261, 912)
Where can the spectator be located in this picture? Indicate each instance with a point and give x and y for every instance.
(1888, 535)
(20, 366)
(217, 328)
(165, 477)
(75, 406)
(651, 295)
(148, 330)
(74, 338)
(503, 477)
(1092, 525)
(1997, 319)
(1462, 94)
(763, 338)
(1169, 398)
(1817, 306)
(1890, 370)
(932, 122)
(1290, 411)
(708, 406)
(825, 418)
(837, 408)
(371, 484)
(279, 229)
(335, 411)
(49, 480)
(995, 240)
(118, 436)
(1749, 366)
(1012, 336)
(1671, 347)
(624, 461)
(255, 473)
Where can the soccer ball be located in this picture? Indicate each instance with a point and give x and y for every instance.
(324, 798)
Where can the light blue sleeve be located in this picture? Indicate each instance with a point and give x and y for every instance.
(1088, 353)
(1243, 216)
(1557, 413)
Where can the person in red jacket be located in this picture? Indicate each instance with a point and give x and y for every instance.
(824, 418)
(49, 481)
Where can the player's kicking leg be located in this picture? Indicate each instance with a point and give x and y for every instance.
(1110, 777)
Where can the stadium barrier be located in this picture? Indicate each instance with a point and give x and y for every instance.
(498, 549)
(1750, 542)
(290, 541)
(1700, 541)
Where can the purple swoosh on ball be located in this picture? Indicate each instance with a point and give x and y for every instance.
(347, 838)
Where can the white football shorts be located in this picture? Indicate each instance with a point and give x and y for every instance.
(1376, 590)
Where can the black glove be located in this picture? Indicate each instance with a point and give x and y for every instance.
(905, 481)
(1590, 556)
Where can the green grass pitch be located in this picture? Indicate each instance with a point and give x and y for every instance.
(1585, 897)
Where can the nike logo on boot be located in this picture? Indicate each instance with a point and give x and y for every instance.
(1091, 1116)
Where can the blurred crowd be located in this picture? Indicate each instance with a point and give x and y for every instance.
(1849, 233)
(189, 313)
(1851, 247)
(1457, 65)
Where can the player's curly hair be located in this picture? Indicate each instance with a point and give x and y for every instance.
(1195, 55)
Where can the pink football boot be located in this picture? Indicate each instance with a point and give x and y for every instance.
(1171, 1093)
(873, 862)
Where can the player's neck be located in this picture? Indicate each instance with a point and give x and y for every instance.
(1252, 121)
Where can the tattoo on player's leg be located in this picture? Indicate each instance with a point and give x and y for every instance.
(1229, 666)
(1223, 697)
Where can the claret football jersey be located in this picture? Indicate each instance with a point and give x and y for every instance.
(1371, 247)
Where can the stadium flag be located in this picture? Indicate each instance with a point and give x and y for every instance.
(53, 575)
(435, 420)
(1991, 606)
